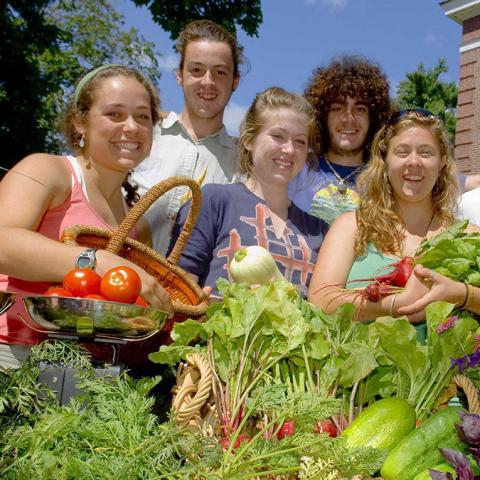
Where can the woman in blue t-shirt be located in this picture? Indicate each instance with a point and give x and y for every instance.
(276, 138)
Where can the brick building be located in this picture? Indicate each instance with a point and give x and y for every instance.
(467, 137)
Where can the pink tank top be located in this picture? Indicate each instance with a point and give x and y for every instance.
(75, 210)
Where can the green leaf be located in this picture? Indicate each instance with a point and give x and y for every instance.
(398, 340)
(171, 354)
(474, 278)
(380, 382)
(318, 347)
(458, 267)
(358, 364)
(184, 332)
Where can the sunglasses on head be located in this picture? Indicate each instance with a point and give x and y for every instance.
(421, 112)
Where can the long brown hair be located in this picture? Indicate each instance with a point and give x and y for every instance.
(378, 219)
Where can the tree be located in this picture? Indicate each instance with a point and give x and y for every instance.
(424, 89)
(45, 47)
(92, 34)
(25, 35)
(172, 16)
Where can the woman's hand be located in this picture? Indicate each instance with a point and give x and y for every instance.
(440, 288)
(152, 291)
(415, 289)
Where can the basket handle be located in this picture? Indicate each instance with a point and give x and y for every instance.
(119, 236)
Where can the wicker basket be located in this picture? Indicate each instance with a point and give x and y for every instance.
(189, 300)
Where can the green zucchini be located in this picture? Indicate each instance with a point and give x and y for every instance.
(419, 450)
(381, 425)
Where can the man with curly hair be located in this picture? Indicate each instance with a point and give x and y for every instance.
(352, 101)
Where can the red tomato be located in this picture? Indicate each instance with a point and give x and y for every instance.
(82, 281)
(58, 292)
(141, 302)
(95, 296)
(121, 284)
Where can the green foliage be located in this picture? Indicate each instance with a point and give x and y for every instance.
(21, 397)
(25, 34)
(423, 371)
(110, 432)
(173, 16)
(423, 88)
(454, 254)
(45, 46)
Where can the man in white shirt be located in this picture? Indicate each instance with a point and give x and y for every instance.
(194, 143)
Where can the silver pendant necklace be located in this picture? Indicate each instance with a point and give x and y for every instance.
(341, 186)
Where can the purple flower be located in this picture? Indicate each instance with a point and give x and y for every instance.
(467, 361)
(447, 324)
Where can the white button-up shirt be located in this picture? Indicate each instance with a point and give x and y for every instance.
(174, 152)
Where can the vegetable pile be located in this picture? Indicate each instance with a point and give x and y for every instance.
(290, 392)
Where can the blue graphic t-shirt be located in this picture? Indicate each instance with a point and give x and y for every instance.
(316, 191)
(232, 217)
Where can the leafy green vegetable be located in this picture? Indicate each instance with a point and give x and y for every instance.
(453, 253)
(423, 371)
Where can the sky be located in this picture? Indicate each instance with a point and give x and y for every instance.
(297, 36)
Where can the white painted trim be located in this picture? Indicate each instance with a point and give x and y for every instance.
(470, 46)
(461, 10)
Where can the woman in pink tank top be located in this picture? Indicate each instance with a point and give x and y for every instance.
(109, 126)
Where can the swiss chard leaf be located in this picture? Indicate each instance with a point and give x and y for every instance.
(449, 233)
(359, 363)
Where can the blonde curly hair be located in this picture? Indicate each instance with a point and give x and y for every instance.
(378, 219)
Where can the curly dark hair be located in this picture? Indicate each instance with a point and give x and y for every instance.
(349, 76)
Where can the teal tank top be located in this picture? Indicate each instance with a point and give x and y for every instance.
(373, 264)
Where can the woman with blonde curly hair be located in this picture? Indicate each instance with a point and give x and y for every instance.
(408, 193)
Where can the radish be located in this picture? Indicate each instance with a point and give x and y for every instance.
(287, 429)
(375, 291)
(326, 426)
(225, 441)
(398, 277)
